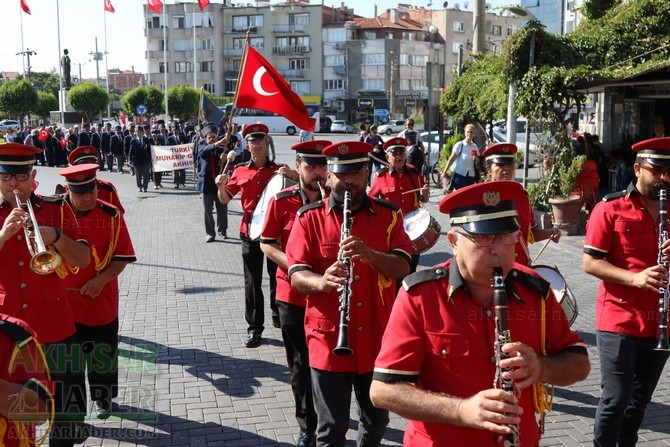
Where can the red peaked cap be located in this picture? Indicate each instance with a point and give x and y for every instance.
(503, 153)
(83, 154)
(255, 132)
(655, 151)
(80, 178)
(16, 158)
(347, 156)
(396, 144)
(311, 151)
(484, 208)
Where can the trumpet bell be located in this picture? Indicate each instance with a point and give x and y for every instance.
(45, 262)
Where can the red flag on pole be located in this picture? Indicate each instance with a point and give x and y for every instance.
(25, 7)
(262, 87)
(155, 5)
(203, 4)
(109, 7)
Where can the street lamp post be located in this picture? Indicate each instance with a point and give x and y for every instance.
(391, 92)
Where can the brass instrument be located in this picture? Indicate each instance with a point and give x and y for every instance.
(662, 343)
(342, 349)
(502, 337)
(43, 261)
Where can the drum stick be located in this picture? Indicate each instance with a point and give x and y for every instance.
(415, 190)
(541, 250)
(72, 289)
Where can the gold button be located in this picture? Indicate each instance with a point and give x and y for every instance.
(25, 306)
(24, 285)
(21, 263)
(359, 304)
(489, 313)
(359, 328)
(444, 352)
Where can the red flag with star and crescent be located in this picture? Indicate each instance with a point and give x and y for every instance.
(155, 5)
(25, 7)
(202, 4)
(109, 7)
(262, 87)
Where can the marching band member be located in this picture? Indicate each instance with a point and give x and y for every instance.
(40, 299)
(106, 190)
(319, 253)
(501, 165)
(439, 358)
(94, 291)
(282, 209)
(250, 179)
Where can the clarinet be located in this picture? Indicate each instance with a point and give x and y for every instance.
(342, 349)
(662, 342)
(502, 336)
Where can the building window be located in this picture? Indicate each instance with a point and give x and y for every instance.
(370, 35)
(496, 30)
(511, 29)
(242, 23)
(373, 84)
(155, 22)
(178, 22)
(206, 66)
(404, 84)
(206, 44)
(183, 45)
(161, 67)
(230, 86)
(404, 59)
(455, 47)
(301, 87)
(459, 27)
(408, 36)
(336, 35)
(420, 60)
(373, 59)
(298, 19)
(333, 60)
(257, 43)
(419, 84)
(208, 87)
(333, 84)
(298, 64)
(161, 45)
(182, 67)
(389, 35)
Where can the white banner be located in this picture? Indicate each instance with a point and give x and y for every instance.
(169, 158)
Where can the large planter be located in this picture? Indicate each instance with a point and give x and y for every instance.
(566, 213)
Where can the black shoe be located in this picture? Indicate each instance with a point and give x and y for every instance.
(210, 239)
(306, 440)
(252, 340)
(276, 323)
(103, 409)
(223, 235)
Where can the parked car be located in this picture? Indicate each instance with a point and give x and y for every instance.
(433, 137)
(5, 125)
(341, 126)
(392, 127)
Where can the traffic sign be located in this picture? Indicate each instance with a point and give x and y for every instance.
(369, 103)
(141, 110)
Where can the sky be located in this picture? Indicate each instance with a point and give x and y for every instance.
(81, 21)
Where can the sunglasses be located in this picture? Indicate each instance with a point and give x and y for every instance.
(486, 240)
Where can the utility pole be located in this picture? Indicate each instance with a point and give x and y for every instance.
(97, 57)
(27, 54)
(391, 92)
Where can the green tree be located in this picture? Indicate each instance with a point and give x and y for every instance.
(595, 9)
(17, 98)
(150, 96)
(88, 99)
(45, 81)
(46, 102)
(183, 101)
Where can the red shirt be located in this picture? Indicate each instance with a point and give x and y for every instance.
(39, 300)
(622, 232)
(108, 193)
(279, 219)
(251, 181)
(315, 242)
(444, 343)
(392, 185)
(104, 228)
(28, 364)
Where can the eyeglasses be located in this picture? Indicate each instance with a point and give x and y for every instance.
(486, 240)
(656, 171)
(5, 177)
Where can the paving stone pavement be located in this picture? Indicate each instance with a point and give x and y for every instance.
(186, 378)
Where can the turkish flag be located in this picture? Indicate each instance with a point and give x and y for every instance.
(262, 87)
(155, 5)
(44, 134)
(203, 4)
(63, 143)
(25, 7)
(122, 117)
(109, 7)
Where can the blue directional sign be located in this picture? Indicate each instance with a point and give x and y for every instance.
(141, 110)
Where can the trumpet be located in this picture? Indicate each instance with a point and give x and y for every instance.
(43, 261)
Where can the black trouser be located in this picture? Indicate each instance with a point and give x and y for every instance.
(157, 178)
(292, 320)
(254, 305)
(629, 371)
(64, 364)
(332, 399)
(180, 177)
(210, 200)
(99, 346)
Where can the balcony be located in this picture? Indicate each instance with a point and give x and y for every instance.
(340, 69)
(288, 29)
(230, 74)
(292, 74)
(241, 30)
(155, 54)
(289, 50)
(232, 52)
(340, 45)
(153, 32)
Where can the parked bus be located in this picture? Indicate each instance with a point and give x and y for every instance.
(276, 123)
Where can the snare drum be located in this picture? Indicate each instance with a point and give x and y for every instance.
(561, 290)
(276, 184)
(422, 229)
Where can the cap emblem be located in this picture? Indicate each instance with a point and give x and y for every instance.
(343, 149)
(491, 198)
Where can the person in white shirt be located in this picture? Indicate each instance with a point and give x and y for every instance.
(466, 155)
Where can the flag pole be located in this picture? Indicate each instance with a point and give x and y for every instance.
(237, 84)
(195, 67)
(23, 48)
(61, 99)
(165, 62)
(109, 103)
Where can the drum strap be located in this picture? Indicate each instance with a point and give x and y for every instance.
(542, 402)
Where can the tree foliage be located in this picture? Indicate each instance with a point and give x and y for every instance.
(44, 81)
(150, 96)
(183, 101)
(595, 9)
(46, 102)
(88, 99)
(17, 98)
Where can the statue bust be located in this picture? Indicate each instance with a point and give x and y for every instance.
(65, 64)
